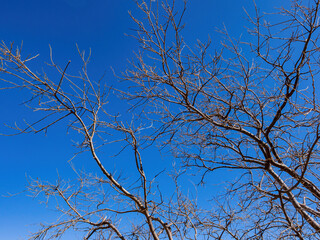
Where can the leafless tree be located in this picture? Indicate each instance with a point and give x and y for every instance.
(247, 106)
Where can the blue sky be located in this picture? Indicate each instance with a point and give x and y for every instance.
(97, 24)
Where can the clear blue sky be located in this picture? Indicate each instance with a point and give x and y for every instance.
(97, 24)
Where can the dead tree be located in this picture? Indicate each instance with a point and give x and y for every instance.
(250, 107)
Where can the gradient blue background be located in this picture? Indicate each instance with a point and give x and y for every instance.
(101, 26)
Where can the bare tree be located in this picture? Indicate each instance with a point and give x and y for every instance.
(251, 107)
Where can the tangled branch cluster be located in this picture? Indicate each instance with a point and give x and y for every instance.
(251, 107)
